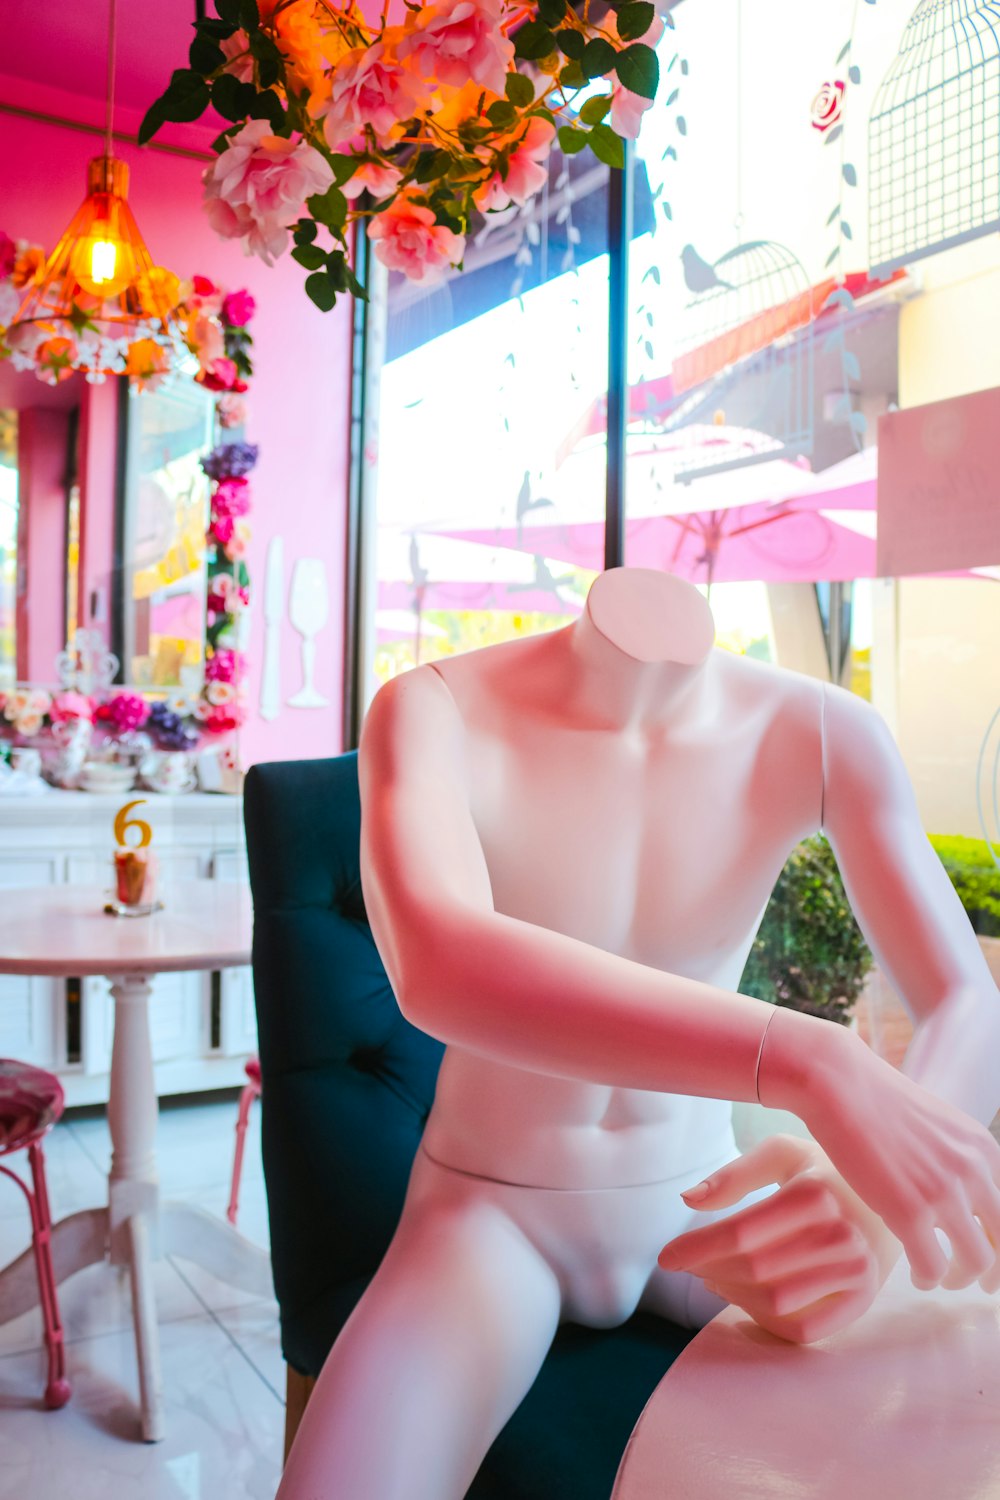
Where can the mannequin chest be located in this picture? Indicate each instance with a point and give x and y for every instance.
(660, 848)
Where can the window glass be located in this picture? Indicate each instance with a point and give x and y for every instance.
(487, 392)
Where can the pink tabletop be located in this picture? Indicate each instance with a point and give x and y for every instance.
(63, 929)
(906, 1402)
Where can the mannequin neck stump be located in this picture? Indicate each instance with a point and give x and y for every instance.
(651, 617)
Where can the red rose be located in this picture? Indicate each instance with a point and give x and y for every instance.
(203, 287)
(828, 105)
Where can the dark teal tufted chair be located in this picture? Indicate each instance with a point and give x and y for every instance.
(347, 1084)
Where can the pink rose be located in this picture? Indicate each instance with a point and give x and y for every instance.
(460, 40)
(8, 255)
(238, 308)
(259, 185)
(220, 375)
(225, 597)
(204, 338)
(371, 87)
(627, 110)
(231, 410)
(380, 181)
(72, 705)
(526, 172)
(239, 544)
(231, 497)
(222, 529)
(408, 240)
(236, 51)
(124, 713)
(225, 666)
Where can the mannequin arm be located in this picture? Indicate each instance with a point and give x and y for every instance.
(492, 984)
(935, 1168)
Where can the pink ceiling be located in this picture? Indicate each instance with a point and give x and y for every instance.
(63, 44)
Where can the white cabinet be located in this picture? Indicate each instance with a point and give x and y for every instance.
(203, 1025)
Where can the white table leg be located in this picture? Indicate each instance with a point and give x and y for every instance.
(133, 1188)
(132, 1112)
(147, 1337)
(77, 1241)
(215, 1245)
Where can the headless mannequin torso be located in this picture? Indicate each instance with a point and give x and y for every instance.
(567, 846)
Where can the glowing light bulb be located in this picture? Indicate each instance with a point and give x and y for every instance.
(102, 262)
(103, 259)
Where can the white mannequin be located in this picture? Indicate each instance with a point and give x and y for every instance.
(567, 846)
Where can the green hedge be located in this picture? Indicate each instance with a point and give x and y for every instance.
(976, 879)
(809, 953)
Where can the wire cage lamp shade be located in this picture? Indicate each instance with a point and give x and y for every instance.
(934, 135)
(99, 293)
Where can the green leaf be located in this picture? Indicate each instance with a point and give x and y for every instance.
(854, 74)
(249, 15)
(672, 97)
(635, 19)
(843, 52)
(606, 146)
(267, 106)
(354, 286)
(219, 30)
(571, 43)
(593, 110)
(571, 141)
(501, 114)
(431, 164)
(534, 40)
(850, 174)
(205, 55)
(329, 208)
(310, 256)
(232, 99)
(572, 75)
(229, 10)
(519, 90)
(638, 70)
(320, 289)
(551, 11)
(221, 143)
(151, 122)
(186, 96)
(598, 57)
(305, 232)
(846, 230)
(833, 136)
(344, 167)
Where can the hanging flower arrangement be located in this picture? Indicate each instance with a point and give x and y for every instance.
(407, 130)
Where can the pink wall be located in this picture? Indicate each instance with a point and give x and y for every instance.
(42, 453)
(299, 403)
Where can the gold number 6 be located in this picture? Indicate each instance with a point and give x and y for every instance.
(123, 823)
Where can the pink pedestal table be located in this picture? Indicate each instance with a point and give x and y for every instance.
(61, 931)
(906, 1402)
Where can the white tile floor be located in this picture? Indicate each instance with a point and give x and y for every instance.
(222, 1367)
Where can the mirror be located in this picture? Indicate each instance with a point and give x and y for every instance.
(103, 508)
(159, 599)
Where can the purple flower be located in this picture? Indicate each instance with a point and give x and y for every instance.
(170, 730)
(230, 460)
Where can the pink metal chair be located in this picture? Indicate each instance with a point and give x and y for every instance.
(31, 1102)
(251, 1091)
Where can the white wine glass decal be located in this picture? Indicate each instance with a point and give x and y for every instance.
(308, 611)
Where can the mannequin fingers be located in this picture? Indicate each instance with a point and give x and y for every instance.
(814, 1320)
(989, 1217)
(799, 1205)
(774, 1160)
(972, 1254)
(817, 1246)
(928, 1262)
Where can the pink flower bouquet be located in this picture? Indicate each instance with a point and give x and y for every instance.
(407, 129)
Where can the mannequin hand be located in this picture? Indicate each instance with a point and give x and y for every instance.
(804, 1262)
(919, 1162)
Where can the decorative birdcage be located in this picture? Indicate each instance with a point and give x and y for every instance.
(744, 361)
(934, 135)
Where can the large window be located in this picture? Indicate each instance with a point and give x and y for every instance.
(765, 351)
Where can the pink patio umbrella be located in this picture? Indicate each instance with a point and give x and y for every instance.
(825, 533)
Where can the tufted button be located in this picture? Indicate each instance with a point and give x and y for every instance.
(30, 1101)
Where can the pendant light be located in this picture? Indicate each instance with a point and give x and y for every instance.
(99, 287)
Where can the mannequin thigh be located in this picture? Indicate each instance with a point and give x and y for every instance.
(435, 1358)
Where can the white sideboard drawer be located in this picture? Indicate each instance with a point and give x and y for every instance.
(27, 1019)
(20, 868)
(238, 1029)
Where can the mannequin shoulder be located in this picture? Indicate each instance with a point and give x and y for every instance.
(411, 716)
(761, 688)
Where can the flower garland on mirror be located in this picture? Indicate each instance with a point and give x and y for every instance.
(406, 129)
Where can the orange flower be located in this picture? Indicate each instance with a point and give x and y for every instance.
(311, 43)
(28, 266)
(56, 358)
(145, 360)
(458, 105)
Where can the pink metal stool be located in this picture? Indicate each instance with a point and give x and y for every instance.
(31, 1102)
(251, 1091)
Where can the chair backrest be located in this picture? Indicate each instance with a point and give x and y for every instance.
(347, 1082)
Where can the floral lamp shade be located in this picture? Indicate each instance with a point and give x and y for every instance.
(934, 135)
